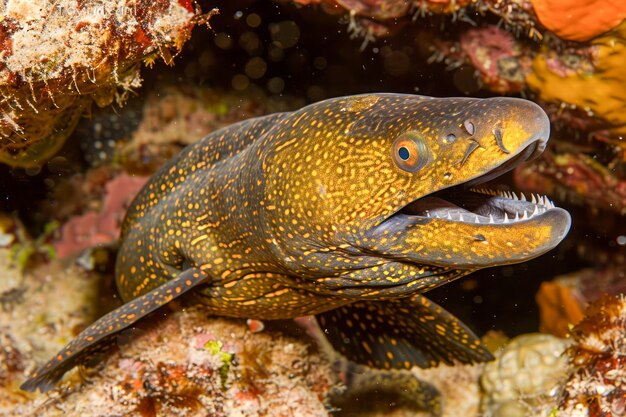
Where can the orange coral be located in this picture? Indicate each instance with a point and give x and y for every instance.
(580, 20)
(558, 308)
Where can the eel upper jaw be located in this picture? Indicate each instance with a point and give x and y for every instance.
(470, 203)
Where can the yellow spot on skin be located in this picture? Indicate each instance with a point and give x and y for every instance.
(277, 293)
(199, 239)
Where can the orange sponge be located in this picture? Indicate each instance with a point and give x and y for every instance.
(580, 20)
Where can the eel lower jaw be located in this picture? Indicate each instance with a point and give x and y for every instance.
(472, 229)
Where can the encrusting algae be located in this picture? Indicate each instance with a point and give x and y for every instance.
(599, 88)
(46, 86)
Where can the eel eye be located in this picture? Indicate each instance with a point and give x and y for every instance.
(409, 152)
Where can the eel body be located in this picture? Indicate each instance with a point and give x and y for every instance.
(348, 209)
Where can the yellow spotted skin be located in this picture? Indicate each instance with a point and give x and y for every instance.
(291, 214)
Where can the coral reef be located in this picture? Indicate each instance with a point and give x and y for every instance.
(175, 116)
(31, 326)
(195, 367)
(458, 387)
(562, 301)
(46, 85)
(389, 9)
(517, 16)
(597, 385)
(567, 55)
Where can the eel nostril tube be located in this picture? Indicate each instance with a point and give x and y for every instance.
(497, 132)
(469, 126)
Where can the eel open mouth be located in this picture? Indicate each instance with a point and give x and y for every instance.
(469, 203)
(479, 206)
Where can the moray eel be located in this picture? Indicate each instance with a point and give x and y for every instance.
(348, 209)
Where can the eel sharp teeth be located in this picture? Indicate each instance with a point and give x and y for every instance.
(536, 211)
(491, 219)
(525, 216)
(522, 197)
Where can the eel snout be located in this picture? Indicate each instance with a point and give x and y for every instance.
(517, 125)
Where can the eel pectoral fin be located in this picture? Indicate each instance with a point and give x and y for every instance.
(99, 335)
(400, 334)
